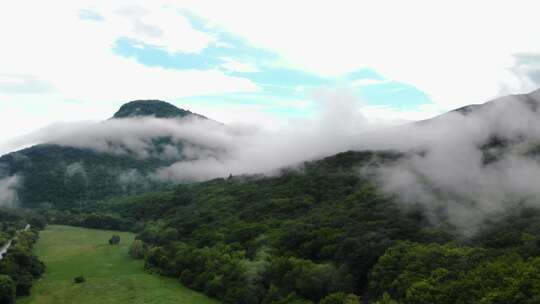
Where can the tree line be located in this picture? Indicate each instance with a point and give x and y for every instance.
(19, 268)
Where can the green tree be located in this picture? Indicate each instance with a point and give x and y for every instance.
(114, 240)
(7, 290)
(79, 280)
(138, 249)
(340, 298)
(187, 277)
(386, 299)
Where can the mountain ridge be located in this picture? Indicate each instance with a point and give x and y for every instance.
(531, 99)
(152, 107)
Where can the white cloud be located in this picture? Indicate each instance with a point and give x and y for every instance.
(70, 62)
(160, 26)
(459, 176)
(76, 57)
(17, 83)
(238, 66)
(337, 120)
(8, 191)
(392, 115)
(457, 52)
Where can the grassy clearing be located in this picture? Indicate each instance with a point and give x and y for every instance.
(111, 275)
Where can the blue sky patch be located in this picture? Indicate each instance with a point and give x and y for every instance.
(153, 56)
(282, 87)
(394, 94)
(363, 74)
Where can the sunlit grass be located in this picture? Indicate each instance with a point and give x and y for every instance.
(111, 275)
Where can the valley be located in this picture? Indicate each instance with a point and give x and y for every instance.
(111, 275)
(269, 152)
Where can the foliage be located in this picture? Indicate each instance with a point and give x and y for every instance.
(304, 234)
(7, 290)
(138, 249)
(19, 264)
(322, 233)
(114, 240)
(79, 280)
(386, 299)
(340, 298)
(101, 220)
(48, 180)
(416, 273)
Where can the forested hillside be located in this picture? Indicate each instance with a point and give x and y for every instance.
(62, 174)
(321, 233)
(448, 219)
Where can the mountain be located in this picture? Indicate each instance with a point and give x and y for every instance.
(59, 174)
(155, 108)
(332, 231)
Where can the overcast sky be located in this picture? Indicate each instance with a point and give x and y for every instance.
(259, 62)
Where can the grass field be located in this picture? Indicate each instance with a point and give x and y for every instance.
(111, 275)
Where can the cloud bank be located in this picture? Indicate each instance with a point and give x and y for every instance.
(462, 166)
(207, 149)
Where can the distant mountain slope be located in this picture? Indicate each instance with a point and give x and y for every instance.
(531, 100)
(61, 175)
(497, 126)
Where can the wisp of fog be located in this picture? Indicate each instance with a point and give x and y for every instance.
(444, 167)
(8, 191)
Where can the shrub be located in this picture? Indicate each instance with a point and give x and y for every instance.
(138, 249)
(115, 240)
(79, 280)
(7, 290)
(340, 298)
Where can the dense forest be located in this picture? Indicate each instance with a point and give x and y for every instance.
(19, 268)
(320, 233)
(63, 176)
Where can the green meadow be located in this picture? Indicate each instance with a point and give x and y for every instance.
(111, 275)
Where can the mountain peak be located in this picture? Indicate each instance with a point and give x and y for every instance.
(155, 108)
